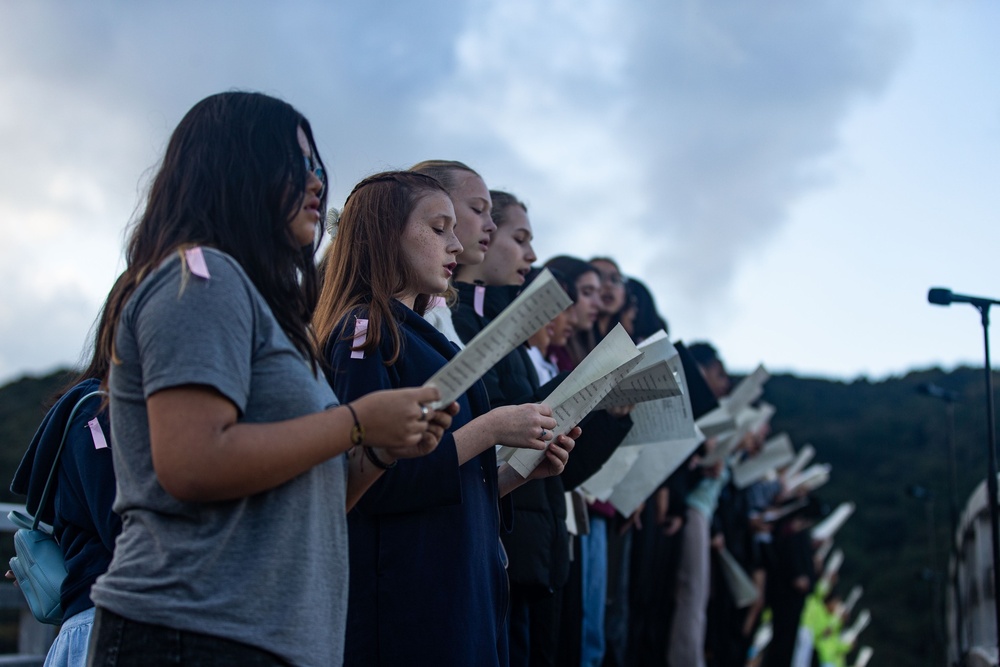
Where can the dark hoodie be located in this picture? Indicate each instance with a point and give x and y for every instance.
(79, 507)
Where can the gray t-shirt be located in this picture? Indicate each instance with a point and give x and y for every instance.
(269, 570)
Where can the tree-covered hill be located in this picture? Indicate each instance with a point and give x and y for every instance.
(882, 438)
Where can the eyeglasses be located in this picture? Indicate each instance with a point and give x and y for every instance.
(314, 167)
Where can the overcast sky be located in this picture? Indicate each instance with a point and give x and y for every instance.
(789, 178)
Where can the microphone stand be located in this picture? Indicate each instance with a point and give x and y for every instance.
(991, 478)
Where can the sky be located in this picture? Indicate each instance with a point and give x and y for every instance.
(788, 178)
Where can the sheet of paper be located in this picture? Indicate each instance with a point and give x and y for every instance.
(657, 460)
(850, 635)
(832, 566)
(582, 390)
(602, 483)
(739, 582)
(828, 527)
(802, 459)
(772, 515)
(644, 383)
(535, 307)
(852, 599)
(746, 392)
(865, 654)
(665, 419)
(809, 479)
(717, 423)
(776, 452)
(750, 420)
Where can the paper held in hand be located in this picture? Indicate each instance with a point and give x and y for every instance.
(746, 392)
(534, 308)
(579, 394)
(776, 452)
(827, 528)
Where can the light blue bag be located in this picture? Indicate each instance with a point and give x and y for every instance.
(39, 566)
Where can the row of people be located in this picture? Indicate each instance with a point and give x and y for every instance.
(288, 491)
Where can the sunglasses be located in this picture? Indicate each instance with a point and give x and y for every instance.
(314, 167)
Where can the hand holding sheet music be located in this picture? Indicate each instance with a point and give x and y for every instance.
(534, 308)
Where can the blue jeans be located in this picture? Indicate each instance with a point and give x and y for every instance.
(594, 566)
(70, 647)
(118, 641)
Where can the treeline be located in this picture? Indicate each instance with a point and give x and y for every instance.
(882, 438)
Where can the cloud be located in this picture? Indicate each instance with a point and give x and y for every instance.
(673, 136)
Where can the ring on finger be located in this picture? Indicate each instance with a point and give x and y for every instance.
(424, 411)
(544, 433)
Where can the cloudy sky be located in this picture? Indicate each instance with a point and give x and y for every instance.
(789, 178)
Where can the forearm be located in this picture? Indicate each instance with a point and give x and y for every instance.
(475, 437)
(205, 463)
(508, 479)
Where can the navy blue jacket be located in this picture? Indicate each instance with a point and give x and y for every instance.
(428, 584)
(79, 507)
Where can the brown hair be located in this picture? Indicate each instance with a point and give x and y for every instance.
(364, 267)
(442, 171)
(501, 202)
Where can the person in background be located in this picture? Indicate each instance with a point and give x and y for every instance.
(79, 506)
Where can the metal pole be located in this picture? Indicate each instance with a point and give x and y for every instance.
(991, 477)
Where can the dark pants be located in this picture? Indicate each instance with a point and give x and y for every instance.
(534, 626)
(116, 640)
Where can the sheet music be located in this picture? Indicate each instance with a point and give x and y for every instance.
(772, 515)
(665, 419)
(850, 635)
(657, 460)
(579, 394)
(534, 308)
(777, 451)
(716, 423)
(852, 599)
(802, 459)
(826, 529)
(865, 654)
(739, 582)
(833, 565)
(644, 383)
(602, 483)
(746, 392)
(750, 420)
(810, 479)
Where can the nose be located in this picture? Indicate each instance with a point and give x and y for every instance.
(530, 255)
(313, 184)
(488, 225)
(455, 246)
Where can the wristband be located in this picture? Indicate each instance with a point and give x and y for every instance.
(376, 461)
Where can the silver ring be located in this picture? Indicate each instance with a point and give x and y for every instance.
(424, 411)
(542, 436)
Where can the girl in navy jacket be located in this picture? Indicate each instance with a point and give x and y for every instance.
(427, 584)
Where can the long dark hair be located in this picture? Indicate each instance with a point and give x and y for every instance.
(364, 266)
(232, 178)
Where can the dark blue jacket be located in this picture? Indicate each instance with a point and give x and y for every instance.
(79, 508)
(427, 579)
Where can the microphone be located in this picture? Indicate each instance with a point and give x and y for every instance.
(942, 296)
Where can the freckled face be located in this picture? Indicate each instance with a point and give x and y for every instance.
(588, 300)
(510, 254)
(474, 225)
(429, 246)
(307, 218)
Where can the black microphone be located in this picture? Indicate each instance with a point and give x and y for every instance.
(942, 296)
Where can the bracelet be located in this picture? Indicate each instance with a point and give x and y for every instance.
(376, 461)
(357, 431)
